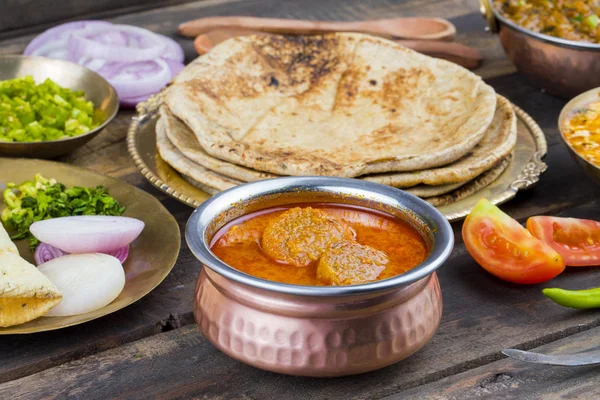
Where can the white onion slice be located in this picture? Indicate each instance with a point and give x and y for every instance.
(141, 44)
(87, 233)
(87, 282)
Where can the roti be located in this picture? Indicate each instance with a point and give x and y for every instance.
(341, 104)
(497, 143)
(472, 187)
(25, 293)
(186, 142)
(207, 180)
(425, 191)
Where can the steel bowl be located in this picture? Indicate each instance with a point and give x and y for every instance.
(561, 67)
(578, 102)
(66, 74)
(317, 330)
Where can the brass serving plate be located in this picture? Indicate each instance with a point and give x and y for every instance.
(152, 255)
(523, 171)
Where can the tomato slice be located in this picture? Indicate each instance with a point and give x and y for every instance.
(507, 250)
(576, 240)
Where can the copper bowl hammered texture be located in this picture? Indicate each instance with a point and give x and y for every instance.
(562, 67)
(317, 331)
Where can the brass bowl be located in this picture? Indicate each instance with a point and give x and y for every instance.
(561, 67)
(579, 102)
(66, 74)
(317, 330)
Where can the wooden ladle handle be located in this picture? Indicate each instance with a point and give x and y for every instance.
(413, 28)
(460, 54)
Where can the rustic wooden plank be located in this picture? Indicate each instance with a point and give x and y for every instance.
(21, 15)
(510, 379)
(463, 282)
(170, 303)
(482, 315)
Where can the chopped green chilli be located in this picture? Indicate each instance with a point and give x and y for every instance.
(43, 198)
(38, 113)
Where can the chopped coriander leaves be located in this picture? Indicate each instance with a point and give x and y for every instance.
(43, 198)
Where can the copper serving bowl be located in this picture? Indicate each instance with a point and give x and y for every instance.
(66, 74)
(578, 102)
(317, 330)
(562, 67)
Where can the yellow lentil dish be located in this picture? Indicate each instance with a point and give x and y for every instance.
(567, 19)
(582, 131)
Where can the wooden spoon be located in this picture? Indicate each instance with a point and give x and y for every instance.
(413, 28)
(458, 53)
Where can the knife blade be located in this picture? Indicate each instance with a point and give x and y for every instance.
(577, 359)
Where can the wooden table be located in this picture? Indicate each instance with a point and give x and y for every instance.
(152, 349)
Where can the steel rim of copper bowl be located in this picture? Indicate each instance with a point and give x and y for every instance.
(541, 37)
(201, 219)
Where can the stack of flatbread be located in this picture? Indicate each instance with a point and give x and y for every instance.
(348, 105)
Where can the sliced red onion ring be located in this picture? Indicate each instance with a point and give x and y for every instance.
(45, 252)
(175, 67)
(136, 79)
(141, 44)
(159, 57)
(174, 51)
(120, 254)
(58, 36)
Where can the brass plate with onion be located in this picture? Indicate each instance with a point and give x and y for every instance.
(152, 254)
(523, 172)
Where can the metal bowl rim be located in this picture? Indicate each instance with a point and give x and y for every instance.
(544, 38)
(196, 232)
(568, 108)
(93, 131)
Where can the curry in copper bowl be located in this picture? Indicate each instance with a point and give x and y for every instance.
(320, 244)
(318, 276)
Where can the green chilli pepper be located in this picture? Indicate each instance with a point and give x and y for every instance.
(580, 299)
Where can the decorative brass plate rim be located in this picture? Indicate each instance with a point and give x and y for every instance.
(169, 263)
(527, 177)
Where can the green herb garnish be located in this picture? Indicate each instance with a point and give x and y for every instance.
(592, 21)
(43, 198)
(36, 113)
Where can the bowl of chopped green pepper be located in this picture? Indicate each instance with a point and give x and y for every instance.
(48, 107)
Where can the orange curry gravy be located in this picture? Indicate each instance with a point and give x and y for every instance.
(238, 243)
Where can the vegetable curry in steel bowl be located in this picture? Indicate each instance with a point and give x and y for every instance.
(320, 244)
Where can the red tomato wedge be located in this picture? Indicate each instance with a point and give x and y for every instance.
(576, 240)
(507, 250)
